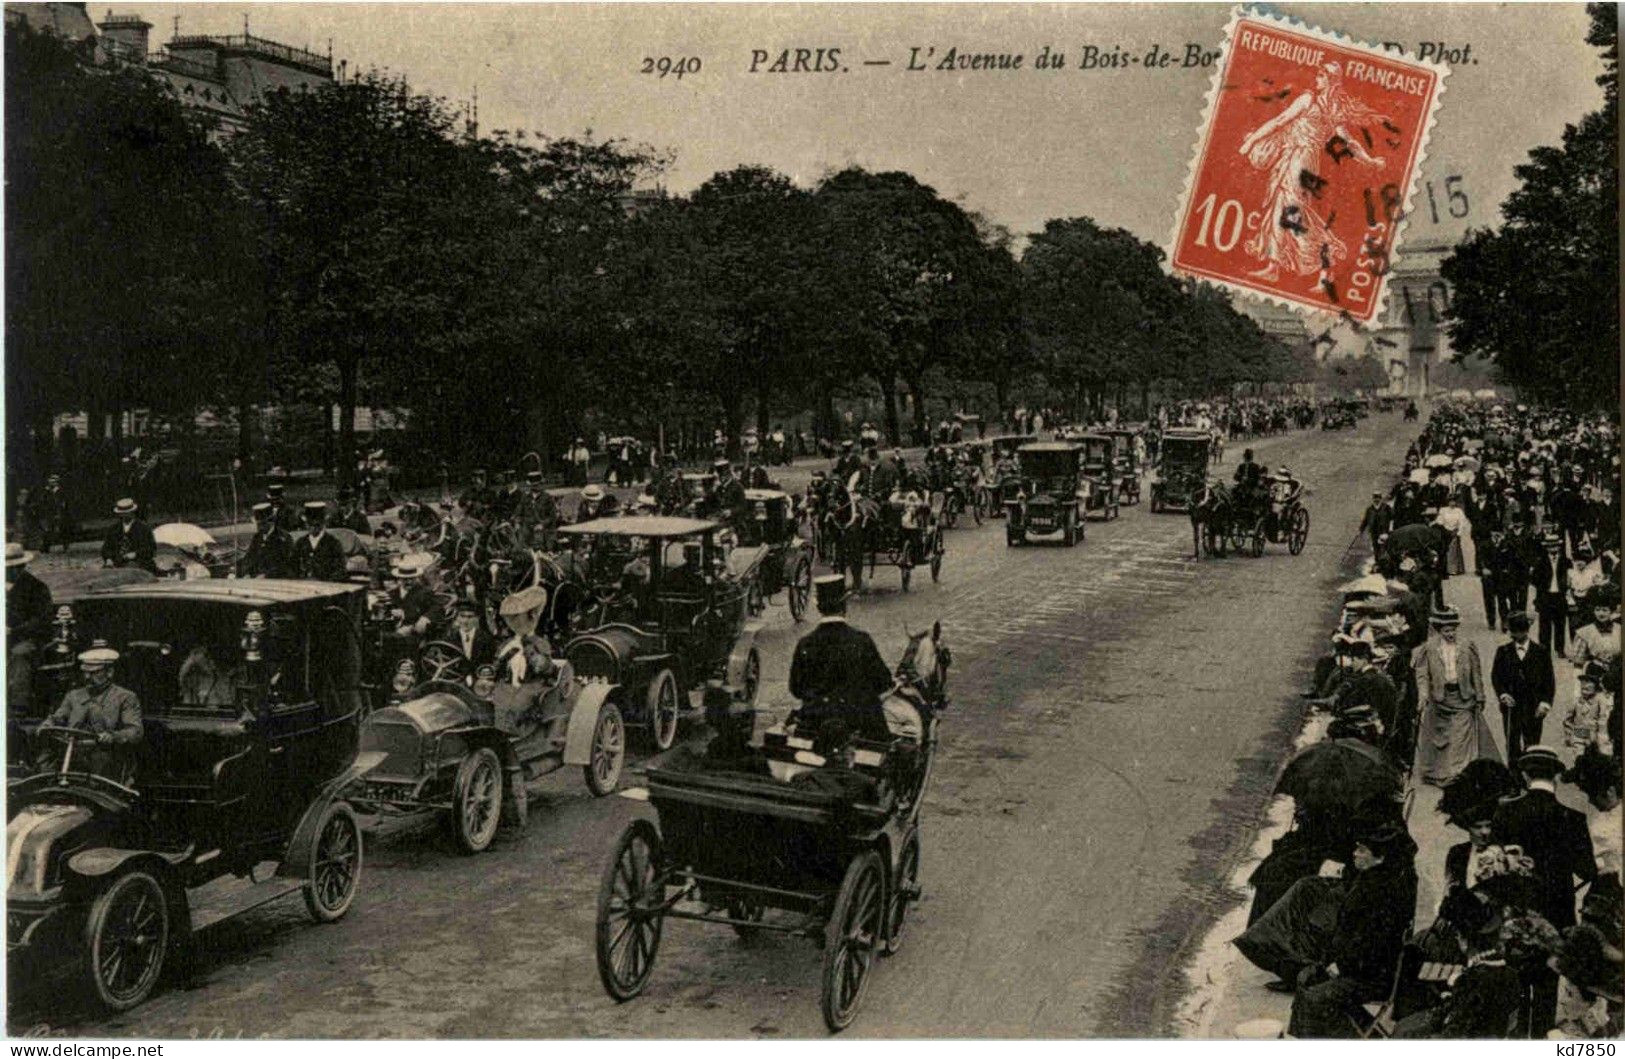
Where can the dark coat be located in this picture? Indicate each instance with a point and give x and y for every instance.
(131, 547)
(1373, 919)
(1540, 574)
(485, 645)
(29, 609)
(269, 554)
(1377, 520)
(837, 672)
(356, 522)
(1455, 864)
(323, 562)
(1557, 839)
(1371, 687)
(1530, 682)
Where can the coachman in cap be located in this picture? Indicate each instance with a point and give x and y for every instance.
(129, 542)
(318, 556)
(837, 672)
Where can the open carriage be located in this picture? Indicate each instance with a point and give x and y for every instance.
(771, 555)
(760, 855)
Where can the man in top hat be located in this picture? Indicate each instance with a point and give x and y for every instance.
(29, 609)
(537, 514)
(1378, 519)
(129, 542)
(596, 502)
(317, 554)
(1549, 577)
(467, 634)
(1450, 692)
(1556, 838)
(270, 550)
(101, 707)
(1524, 685)
(730, 495)
(837, 672)
(350, 516)
(276, 495)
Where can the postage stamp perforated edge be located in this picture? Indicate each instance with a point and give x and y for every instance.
(1205, 127)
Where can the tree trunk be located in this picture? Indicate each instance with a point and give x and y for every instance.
(916, 389)
(733, 418)
(1001, 395)
(348, 370)
(329, 464)
(763, 427)
(888, 392)
(830, 427)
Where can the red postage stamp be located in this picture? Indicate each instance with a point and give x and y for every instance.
(1307, 159)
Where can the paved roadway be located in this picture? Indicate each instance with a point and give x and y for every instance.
(1119, 714)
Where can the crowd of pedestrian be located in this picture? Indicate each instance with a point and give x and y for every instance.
(1527, 938)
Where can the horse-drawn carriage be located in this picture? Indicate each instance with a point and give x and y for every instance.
(1182, 466)
(250, 695)
(836, 862)
(1126, 463)
(771, 555)
(998, 489)
(1100, 471)
(1054, 494)
(675, 623)
(1225, 518)
(903, 533)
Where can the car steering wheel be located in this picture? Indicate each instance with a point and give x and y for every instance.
(443, 661)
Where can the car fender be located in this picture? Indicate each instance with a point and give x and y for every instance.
(296, 858)
(742, 648)
(584, 719)
(100, 861)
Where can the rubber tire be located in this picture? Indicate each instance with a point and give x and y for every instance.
(622, 990)
(898, 898)
(1298, 533)
(478, 839)
(609, 722)
(658, 737)
(319, 910)
(865, 869)
(125, 887)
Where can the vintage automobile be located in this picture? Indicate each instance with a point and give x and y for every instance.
(670, 630)
(1181, 471)
(1126, 462)
(469, 757)
(251, 692)
(772, 556)
(999, 492)
(1100, 470)
(1054, 494)
(766, 855)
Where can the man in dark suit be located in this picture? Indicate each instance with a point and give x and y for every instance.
(349, 516)
(1556, 838)
(1525, 685)
(270, 551)
(468, 635)
(1377, 520)
(281, 513)
(129, 542)
(1549, 577)
(29, 610)
(837, 672)
(317, 554)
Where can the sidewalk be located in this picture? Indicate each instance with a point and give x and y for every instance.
(1228, 997)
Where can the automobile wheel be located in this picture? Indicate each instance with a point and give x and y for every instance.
(905, 890)
(335, 865)
(1298, 533)
(126, 941)
(800, 588)
(608, 753)
(661, 710)
(476, 802)
(850, 939)
(631, 900)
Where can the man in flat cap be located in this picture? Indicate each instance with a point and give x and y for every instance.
(109, 712)
(270, 550)
(837, 672)
(129, 542)
(318, 556)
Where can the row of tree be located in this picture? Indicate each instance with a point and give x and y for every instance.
(361, 245)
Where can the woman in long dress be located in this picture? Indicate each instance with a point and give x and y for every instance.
(1289, 146)
(1450, 690)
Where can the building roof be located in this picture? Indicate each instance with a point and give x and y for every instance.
(642, 526)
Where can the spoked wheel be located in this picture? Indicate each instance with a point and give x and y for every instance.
(476, 801)
(661, 709)
(603, 771)
(1239, 535)
(630, 912)
(905, 890)
(126, 940)
(850, 939)
(799, 590)
(1298, 531)
(750, 681)
(936, 561)
(335, 864)
(950, 512)
(1258, 538)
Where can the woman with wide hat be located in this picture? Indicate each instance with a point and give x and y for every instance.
(1450, 692)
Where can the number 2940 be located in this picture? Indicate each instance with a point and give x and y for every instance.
(667, 66)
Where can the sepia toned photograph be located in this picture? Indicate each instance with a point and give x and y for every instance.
(808, 521)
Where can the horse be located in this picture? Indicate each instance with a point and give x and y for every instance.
(1212, 508)
(850, 519)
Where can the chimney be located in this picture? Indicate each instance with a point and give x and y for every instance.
(126, 36)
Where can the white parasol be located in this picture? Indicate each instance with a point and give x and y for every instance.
(182, 535)
(1438, 459)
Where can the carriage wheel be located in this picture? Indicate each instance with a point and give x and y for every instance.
(976, 511)
(950, 511)
(1298, 532)
(126, 940)
(335, 865)
(800, 588)
(750, 682)
(630, 912)
(936, 560)
(851, 937)
(661, 710)
(603, 771)
(476, 801)
(1238, 534)
(1258, 538)
(905, 890)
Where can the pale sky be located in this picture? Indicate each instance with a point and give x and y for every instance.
(1018, 146)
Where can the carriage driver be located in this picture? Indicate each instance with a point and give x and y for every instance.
(109, 712)
(837, 672)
